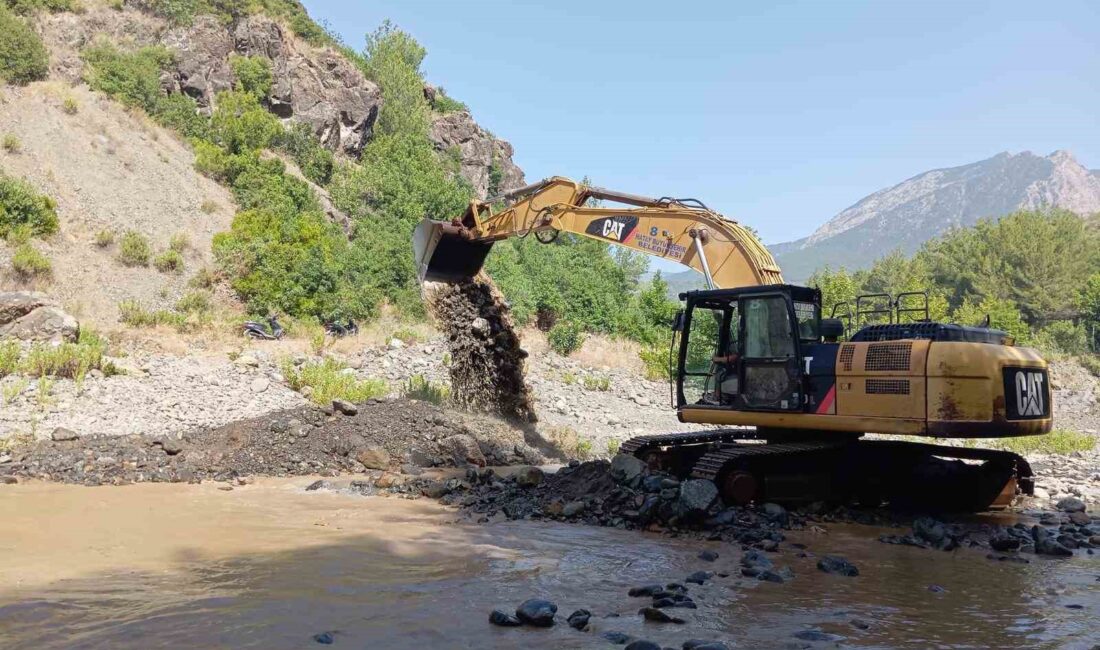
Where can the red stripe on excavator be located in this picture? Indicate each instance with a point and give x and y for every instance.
(826, 406)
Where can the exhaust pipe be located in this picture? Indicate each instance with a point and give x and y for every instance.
(446, 253)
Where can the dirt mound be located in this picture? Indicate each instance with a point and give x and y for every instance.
(381, 435)
(486, 358)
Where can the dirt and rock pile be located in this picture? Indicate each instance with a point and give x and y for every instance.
(400, 435)
(624, 493)
(487, 361)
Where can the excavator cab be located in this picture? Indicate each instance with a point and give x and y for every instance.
(753, 348)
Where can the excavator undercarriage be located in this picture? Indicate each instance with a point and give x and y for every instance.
(756, 356)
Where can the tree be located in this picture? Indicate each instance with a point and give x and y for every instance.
(1002, 314)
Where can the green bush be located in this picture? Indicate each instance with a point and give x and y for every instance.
(70, 106)
(1062, 337)
(132, 78)
(240, 124)
(104, 238)
(328, 381)
(316, 162)
(443, 104)
(23, 57)
(29, 262)
(9, 357)
(565, 338)
(179, 242)
(12, 143)
(168, 261)
(204, 278)
(602, 384)
(181, 113)
(68, 360)
(22, 207)
(194, 302)
(27, 7)
(420, 388)
(1091, 362)
(133, 249)
(253, 74)
(655, 362)
(135, 314)
(1058, 442)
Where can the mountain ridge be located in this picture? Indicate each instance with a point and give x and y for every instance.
(905, 215)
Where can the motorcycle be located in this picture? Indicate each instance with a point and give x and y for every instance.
(257, 330)
(334, 328)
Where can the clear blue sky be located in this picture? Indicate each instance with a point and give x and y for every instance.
(778, 116)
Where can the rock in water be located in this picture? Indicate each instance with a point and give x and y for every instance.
(537, 612)
(486, 359)
(642, 644)
(838, 565)
(324, 638)
(578, 620)
(1071, 504)
(528, 477)
(698, 644)
(696, 496)
(617, 638)
(708, 556)
(503, 619)
(659, 616)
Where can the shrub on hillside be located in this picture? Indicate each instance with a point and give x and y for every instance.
(12, 143)
(328, 381)
(23, 57)
(253, 74)
(565, 338)
(22, 207)
(27, 7)
(241, 124)
(104, 238)
(168, 261)
(133, 249)
(29, 262)
(132, 78)
(315, 161)
(443, 103)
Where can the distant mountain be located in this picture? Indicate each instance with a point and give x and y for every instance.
(908, 214)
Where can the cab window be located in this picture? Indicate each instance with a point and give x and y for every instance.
(767, 328)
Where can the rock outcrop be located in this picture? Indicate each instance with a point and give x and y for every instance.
(484, 161)
(315, 86)
(34, 316)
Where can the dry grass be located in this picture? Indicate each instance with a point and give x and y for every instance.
(328, 380)
(571, 443)
(598, 351)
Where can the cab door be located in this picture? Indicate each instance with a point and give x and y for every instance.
(771, 376)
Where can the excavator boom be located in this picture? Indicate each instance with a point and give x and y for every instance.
(681, 230)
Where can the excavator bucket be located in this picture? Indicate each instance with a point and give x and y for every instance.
(444, 254)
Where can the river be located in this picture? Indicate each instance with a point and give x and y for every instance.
(269, 565)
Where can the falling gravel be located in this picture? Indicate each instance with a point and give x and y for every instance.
(486, 358)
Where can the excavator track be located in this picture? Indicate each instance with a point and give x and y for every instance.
(640, 444)
(905, 474)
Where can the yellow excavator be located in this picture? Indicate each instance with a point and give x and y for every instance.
(792, 392)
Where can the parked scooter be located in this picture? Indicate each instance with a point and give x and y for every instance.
(257, 330)
(334, 328)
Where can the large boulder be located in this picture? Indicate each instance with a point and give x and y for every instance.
(313, 85)
(34, 316)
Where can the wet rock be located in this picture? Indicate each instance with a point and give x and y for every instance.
(837, 565)
(708, 556)
(8, 480)
(316, 485)
(618, 638)
(644, 591)
(1005, 543)
(642, 644)
(659, 616)
(435, 489)
(1045, 544)
(578, 620)
(537, 612)
(778, 577)
(325, 638)
(1071, 504)
(936, 589)
(345, 407)
(373, 457)
(755, 559)
(816, 635)
(464, 449)
(503, 619)
(1079, 518)
(699, 577)
(61, 434)
(930, 530)
(698, 644)
(626, 469)
(696, 497)
(859, 624)
(573, 508)
(529, 477)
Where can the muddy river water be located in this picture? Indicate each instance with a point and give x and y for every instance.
(269, 565)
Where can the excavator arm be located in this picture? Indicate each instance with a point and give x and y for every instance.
(681, 230)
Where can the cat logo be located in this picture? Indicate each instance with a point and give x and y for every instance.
(613, 230)
(618, 229)
(1030, 390)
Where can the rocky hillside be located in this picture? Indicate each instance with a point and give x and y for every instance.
(908, 214)
(110, 168)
